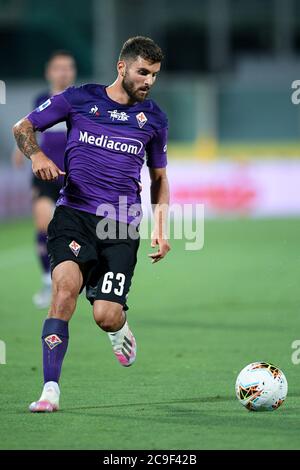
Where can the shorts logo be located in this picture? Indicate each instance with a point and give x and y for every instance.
(52, 341)
(141, 119)
(75, 247)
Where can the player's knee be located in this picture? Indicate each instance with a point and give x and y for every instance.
(108, 318)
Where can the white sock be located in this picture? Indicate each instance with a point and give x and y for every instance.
(52, 385)
(115, 336)
(50, 392)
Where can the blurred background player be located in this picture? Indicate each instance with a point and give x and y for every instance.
(60, 73)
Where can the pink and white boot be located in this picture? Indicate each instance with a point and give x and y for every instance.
(49, 400)
(124, 345)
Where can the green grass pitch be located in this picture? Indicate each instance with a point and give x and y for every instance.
(199, 318)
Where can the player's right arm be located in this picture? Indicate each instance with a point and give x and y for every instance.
(42, 166)
(54, 110)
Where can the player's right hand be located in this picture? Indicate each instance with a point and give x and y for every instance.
(44, 168)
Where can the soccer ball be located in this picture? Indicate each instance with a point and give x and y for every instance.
(261, 386)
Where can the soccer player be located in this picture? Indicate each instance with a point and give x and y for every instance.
(60, 73)
(110, 129)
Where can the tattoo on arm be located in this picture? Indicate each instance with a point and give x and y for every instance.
(25, 137)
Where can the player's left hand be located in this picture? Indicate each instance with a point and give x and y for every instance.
(164, 247)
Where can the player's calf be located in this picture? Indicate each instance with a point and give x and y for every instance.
(67, 281)
(109, 316)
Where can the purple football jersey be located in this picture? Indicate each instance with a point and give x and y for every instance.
(107, 144)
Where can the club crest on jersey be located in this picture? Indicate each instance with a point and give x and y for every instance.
(75, 247)
(44, 105)
(122, 116)
(52, 341)
(141, 119)
(94, 111)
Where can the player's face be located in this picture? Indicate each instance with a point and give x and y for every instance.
(138, 77)
(61, 72)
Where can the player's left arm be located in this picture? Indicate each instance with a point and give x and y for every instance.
(160, 203)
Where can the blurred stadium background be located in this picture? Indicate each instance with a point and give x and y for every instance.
(226, 85)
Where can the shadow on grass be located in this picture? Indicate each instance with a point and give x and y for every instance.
(214, 399)
(288, 409)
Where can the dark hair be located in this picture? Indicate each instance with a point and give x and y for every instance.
(143, 47)
(59, 53)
